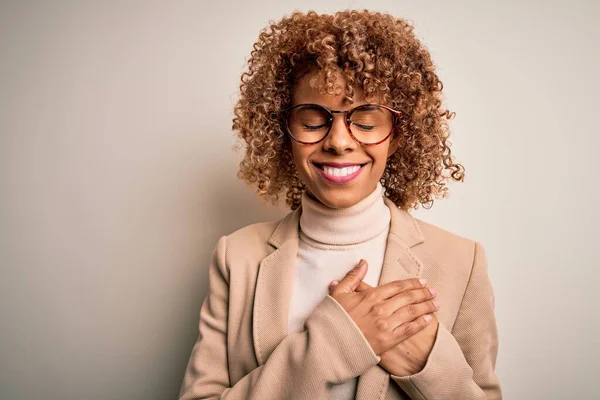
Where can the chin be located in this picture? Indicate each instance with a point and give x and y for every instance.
(337, 198)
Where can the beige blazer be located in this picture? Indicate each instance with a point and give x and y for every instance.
(244, 350)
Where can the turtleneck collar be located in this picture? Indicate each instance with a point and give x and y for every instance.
(344, 226)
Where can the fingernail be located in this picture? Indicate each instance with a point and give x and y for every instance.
(427, 318)
(361, 263)
(423, 281)
(433, 291)
(334, 283)
(436, 304)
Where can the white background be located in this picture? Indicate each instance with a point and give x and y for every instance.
(117, 177)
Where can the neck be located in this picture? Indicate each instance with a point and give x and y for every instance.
(343, 226)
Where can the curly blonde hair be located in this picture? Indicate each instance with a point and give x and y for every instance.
(372, 50)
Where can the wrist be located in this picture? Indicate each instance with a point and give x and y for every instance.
(398, 363)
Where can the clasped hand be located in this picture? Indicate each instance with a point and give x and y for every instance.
(396, 318)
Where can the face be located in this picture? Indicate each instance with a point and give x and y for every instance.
(337, 148)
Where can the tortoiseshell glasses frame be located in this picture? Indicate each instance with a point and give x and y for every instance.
(396, 114)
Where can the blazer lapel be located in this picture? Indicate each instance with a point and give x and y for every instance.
(275, 276)
(274, 287)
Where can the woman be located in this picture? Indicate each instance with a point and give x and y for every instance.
(348, 296)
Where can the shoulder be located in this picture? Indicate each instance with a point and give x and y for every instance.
(252, 234)
(439, 235)
(251, 241)
(444, 248)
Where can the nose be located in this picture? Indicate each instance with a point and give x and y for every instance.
(339, 140)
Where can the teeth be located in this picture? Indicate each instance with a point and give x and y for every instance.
(341, 171)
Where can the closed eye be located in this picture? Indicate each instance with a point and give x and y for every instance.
(364, 127)
(313, 127)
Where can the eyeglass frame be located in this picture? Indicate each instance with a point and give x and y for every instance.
(396, 114)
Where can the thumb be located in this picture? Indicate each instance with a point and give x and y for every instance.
(352, 279)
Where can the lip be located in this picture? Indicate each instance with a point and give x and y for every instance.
(339, 179)
(337, 165)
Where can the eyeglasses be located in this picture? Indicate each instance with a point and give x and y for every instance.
(368, 124)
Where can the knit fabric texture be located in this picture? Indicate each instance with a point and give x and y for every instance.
(332, 242)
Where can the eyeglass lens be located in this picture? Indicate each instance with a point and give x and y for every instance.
(369, 124)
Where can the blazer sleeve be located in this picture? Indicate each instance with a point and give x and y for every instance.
(332, 349)
(462, 363)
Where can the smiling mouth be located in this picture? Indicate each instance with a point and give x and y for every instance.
(339, 174)
(322, 167)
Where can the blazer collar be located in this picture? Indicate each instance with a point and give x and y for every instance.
(276, 272)
(403, 225)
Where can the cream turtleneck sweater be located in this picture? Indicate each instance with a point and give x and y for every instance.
(332, 242)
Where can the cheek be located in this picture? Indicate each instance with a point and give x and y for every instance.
(379, 157)
(300, 156)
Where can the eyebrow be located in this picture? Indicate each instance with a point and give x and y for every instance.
(372, 107)
(294, 104)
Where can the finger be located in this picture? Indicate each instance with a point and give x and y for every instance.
(406, 330)
(407, 297)
(362, 286)
(332, 286)
(391, 289)
(411, 312)
(352, 279)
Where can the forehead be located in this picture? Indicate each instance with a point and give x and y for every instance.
(306, 91)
